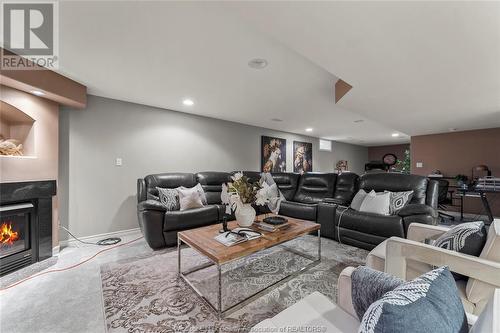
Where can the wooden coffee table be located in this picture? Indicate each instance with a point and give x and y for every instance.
(202, 240)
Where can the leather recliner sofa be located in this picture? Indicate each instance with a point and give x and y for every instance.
(367, 230)
(303, 193)
(320, 197)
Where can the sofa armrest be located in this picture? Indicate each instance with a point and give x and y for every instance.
(141, 190)
(344, 291)
(419, 232)
(417, 209)
(151, 205)
(399, 251)
(335, 201)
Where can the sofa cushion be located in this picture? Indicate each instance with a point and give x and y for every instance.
(287, 183)
(399, 200)
(212, 181)
(299, 210)
(169, 198)
(358, 199)
(314, 313)
(345, 187)
(189, 198)
(396, 182)
(467, 238)
(377, 203)
(430, 303)
(192, 218)
(370, 223)
(168, 180)
(314, 187)
(477, 291)
(369, 285)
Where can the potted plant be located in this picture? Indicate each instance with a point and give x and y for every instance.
(461, 180)
(240, 194)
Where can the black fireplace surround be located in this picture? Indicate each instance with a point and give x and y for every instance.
(25, 223)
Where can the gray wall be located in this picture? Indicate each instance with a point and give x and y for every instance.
(99, 197)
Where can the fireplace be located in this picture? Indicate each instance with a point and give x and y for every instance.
(25, 224)
(17, 236)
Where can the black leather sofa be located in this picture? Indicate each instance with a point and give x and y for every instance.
(303, 193)
(367, 230)
(321, 197)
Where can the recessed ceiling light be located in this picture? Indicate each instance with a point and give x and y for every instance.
(257, 63)
(309, 129)
(188, 102)
(37, 92)
(395, 135)
(359, 121)
(277, 119)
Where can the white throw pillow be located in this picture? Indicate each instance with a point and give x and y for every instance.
(377, 203)
(198, 188)
(358, 199)
(189, 198)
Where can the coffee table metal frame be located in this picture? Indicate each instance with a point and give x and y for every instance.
(222, 313)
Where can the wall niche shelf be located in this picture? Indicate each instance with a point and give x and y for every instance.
(17, 125)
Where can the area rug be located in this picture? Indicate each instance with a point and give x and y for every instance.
(144, 294)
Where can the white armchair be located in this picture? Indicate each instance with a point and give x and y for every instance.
(316, 313)
(408, 258)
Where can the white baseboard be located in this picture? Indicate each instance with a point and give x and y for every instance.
(55, 250)
(95, 238)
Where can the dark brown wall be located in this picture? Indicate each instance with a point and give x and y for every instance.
(457, 153)
(376, 153)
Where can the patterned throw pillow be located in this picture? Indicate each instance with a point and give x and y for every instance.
(169, 198)
(467, 238)
(399, 200)
(430, 303)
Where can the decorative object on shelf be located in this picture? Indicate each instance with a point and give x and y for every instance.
(405, 164)
(461, 180)
(273, 154)
(239, 195)
(302, 157)
(479, 169)
(342, 166)
(10, 147)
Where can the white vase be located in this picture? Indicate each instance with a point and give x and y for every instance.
(245, 215)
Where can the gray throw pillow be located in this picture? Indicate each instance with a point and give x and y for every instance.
(369, 285)
(358, 199)
(189, 198)
(467, 238)
(169, 198)
(399, 200)
(377, 203)
(430, 303)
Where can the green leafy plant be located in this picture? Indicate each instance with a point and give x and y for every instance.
(405, 164)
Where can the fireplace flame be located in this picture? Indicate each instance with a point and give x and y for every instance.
(7, 235)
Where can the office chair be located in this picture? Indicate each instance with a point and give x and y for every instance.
(443, 198)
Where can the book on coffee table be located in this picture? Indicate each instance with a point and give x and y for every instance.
(236, 236)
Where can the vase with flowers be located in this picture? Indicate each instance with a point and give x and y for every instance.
(239, 195)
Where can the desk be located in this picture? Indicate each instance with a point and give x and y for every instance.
(475, 193)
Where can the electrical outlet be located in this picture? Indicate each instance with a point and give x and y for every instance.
(119, 161)
(420, 165)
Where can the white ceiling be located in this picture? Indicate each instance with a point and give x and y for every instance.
(416, 68)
